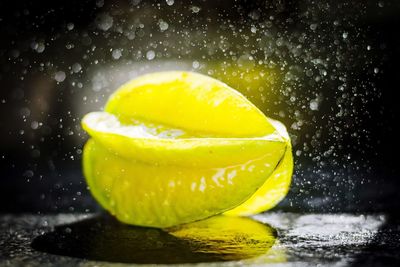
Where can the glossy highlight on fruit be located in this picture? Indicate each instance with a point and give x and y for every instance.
(177, 147)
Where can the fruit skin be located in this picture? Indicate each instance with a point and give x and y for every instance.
(189, 101)
(154, 195)
(275, 187)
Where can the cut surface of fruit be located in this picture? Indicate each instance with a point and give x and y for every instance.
(148, 144)
(177, 147)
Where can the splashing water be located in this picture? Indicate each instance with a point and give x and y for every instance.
(316, 75)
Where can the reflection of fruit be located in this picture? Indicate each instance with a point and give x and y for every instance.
(217, 239)
(227, 238)
(176, 147)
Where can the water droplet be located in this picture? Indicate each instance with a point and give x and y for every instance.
(34, 125)
(314, 104)
(163, 25)
(376, 70)
(99, 81)
(70, 26)
(195, 64)
(150, 55)
(38, 47)
(104, 21)
(170, 2)
(116, 53)
(69, 46)
(344, 35)
(76, 67)
(59, 76)
(195, 9)
(313, 26)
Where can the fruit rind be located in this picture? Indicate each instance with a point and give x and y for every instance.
(188, 101)
(162, 196)
(276, 186)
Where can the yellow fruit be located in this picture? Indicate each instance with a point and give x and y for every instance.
(176, 147)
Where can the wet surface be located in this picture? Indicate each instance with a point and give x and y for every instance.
(102, 238)
(277, 239)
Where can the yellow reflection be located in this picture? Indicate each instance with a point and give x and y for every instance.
(257, 82)
(230, 238)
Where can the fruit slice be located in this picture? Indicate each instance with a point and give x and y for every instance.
(177, 147)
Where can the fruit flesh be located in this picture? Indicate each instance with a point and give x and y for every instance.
(188, 151)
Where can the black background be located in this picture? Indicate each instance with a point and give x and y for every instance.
(56, 183)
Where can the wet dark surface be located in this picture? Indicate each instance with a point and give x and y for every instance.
(102, 238)
(302, 240)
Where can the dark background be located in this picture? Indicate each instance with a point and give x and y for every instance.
(342, 55)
